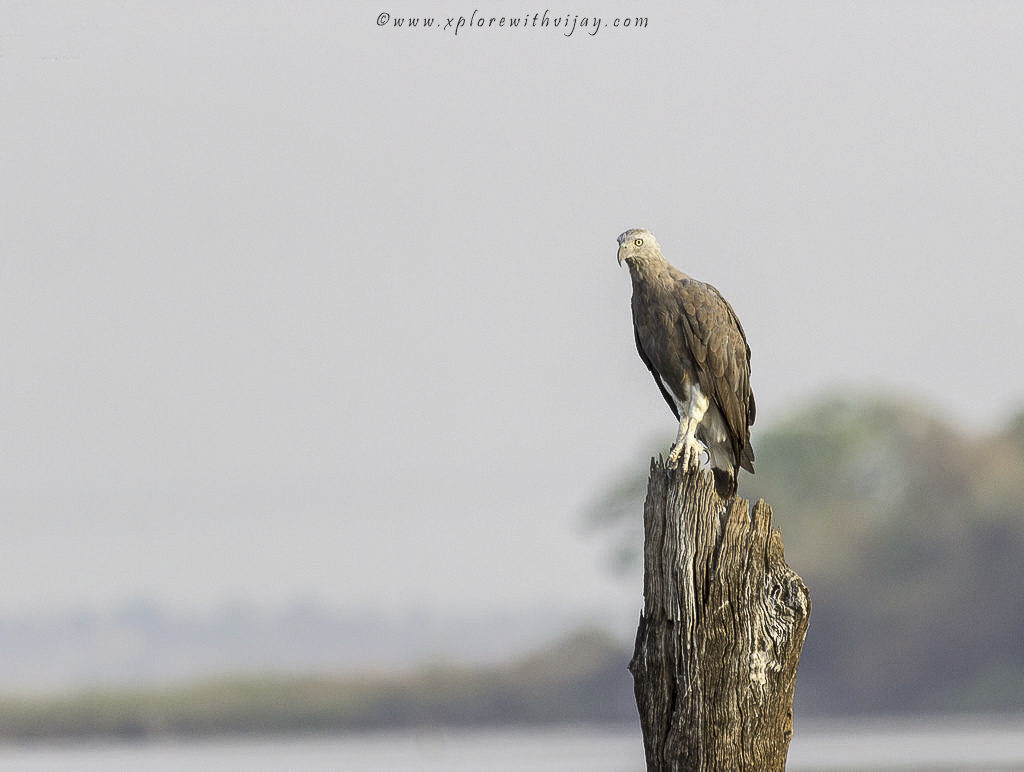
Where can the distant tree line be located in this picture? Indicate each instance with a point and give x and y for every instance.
(579, 679)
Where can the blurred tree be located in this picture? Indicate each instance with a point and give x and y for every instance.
(915, 573)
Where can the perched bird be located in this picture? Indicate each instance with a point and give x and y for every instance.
(692, 342)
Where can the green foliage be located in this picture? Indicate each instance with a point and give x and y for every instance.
(909, 536)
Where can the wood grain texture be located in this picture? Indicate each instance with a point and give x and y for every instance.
(719, 640)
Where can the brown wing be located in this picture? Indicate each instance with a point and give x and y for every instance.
(721, 355)
(657, 376)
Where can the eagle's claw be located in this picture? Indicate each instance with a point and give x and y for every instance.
(691, 453)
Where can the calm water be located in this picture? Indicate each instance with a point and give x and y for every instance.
(964, 744)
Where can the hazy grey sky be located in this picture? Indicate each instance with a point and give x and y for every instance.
(296, 304)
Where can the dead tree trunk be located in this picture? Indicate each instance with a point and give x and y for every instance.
(719, 640)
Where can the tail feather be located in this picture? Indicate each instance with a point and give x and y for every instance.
(726, 469)
(725, 483)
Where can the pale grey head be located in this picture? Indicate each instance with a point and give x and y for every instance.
(638, 245)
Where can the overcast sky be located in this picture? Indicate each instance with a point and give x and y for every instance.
(294, 304)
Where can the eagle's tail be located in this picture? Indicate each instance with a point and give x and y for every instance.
(722, 459)
(722, 456)
(725, 482)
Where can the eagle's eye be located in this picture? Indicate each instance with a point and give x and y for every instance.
(639, 242)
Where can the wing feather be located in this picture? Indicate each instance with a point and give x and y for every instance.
(721, 356)
(657, 376)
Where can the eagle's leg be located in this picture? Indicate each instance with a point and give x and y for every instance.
(687, 445)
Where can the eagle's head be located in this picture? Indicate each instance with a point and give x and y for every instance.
(638, 244)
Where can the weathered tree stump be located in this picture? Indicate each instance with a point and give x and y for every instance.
(720, 635)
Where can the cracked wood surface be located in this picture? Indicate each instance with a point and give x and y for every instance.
(719, 640)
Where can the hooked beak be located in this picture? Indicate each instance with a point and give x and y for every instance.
(619, 256)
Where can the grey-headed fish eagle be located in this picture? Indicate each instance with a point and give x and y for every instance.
(693, 343)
